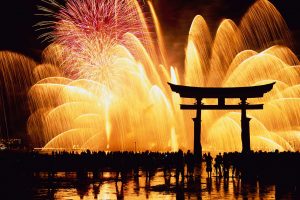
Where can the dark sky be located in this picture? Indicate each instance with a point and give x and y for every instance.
(17, 18)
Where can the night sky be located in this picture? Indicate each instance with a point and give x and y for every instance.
(18, 18)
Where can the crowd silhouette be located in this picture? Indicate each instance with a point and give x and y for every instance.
(275, 166)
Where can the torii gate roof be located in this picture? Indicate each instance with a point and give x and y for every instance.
(222, 92)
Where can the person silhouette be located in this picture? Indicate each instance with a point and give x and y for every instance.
(190, 161)
(226, 165)
(217, 165)
(179, 166)
(208, 161)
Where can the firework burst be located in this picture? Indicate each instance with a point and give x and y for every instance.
(89, 31)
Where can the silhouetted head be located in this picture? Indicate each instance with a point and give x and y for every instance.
(180, 151)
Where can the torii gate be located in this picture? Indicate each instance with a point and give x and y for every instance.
(221, 93)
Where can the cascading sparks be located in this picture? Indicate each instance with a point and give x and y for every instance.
(103, 84)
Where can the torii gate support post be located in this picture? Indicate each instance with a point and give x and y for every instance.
(197, 133)
(245, 125)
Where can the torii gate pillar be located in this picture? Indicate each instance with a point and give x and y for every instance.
(245, 126)
(197, 133)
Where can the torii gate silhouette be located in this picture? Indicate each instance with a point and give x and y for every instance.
(221, 93)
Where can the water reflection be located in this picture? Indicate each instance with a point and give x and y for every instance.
(158, 184)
